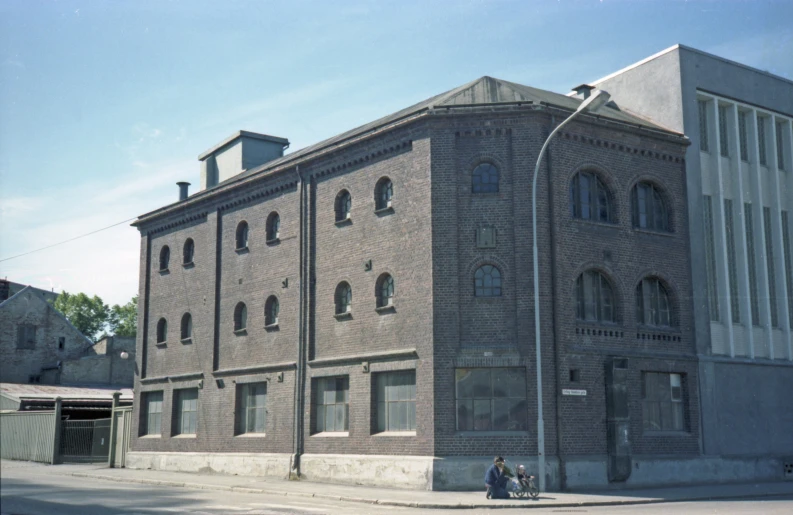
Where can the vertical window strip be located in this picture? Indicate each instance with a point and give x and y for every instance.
(780, 147)
(703, 126)
(742, 136)
(769, 259)
(750, 258)
(788, 268)
(710, 260)
(723, 141)
(733, 271)
(761, 141)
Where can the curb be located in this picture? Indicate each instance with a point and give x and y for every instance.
(423, 505)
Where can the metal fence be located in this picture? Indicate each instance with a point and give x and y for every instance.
(123, 435)
(27, 436)
(85, 441)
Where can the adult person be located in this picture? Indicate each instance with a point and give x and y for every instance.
(496, 479)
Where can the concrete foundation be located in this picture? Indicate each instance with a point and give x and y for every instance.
(242, 464)
(410, 472)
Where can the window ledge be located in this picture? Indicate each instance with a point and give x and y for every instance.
(274, 241)
(668, 329)
(343, 316)
(609, 225)
(150, 436)
(161, 344)
(186, 340)
(184, 436)
(383, 310)
(188, 265)
(488, 298)
(164, 271)
(242, 250)
(384, 211)
(654, 232)
(395, 433)
(342, 223)
(251, 435)
(271, 327)
(240, 332)
(331, 434)
(658, 432)
(492, 433)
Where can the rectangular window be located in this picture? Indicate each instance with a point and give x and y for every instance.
(723, 136)
(742, 135)
(61, 342)
(186, 414)
(751, 263)
(662, 402)
(396, 401)
(152, 412)
(332, 404)
(703, 125)
(26, 336)
(780, 147)
(491, 399)
(735, 307)
(769, 260)
(761, 141)
(710, 259)
(251, 416)
(788, 268)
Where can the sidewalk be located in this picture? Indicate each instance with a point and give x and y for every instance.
(423, 499)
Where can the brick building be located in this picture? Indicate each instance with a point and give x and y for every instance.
(361, 310)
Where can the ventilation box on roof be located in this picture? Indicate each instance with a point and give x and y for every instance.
(241, 151)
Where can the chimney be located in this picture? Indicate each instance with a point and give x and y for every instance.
(182, 190)
(583, 90)
(239, 152)
(5, 290)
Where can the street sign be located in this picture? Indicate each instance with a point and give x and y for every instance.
(576, 393)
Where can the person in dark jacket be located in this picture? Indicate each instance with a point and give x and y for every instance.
(496, 480)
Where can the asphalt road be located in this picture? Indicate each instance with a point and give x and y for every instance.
(33, 490)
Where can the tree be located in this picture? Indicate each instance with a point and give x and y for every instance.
(124, 319)
(88, 314)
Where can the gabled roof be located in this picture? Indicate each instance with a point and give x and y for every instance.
(22, 392)
(34, 292)
(485, 91)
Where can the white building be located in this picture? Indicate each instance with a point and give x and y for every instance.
(740, 199)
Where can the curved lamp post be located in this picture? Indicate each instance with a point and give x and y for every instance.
(594, 102)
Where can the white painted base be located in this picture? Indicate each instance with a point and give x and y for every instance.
(409, 472)
(242, 464)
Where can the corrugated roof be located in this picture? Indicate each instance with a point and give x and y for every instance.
(40, 391)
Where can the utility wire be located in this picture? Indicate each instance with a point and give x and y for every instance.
(70, 239)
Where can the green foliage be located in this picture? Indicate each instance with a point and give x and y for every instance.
(124, 319)
(88, 314)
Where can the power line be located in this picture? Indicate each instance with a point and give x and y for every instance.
(70, 239)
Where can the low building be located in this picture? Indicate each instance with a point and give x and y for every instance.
(77, 402)
(361, 310)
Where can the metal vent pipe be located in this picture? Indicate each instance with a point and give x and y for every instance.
(183, 190)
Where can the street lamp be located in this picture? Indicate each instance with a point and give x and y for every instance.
(592, 103)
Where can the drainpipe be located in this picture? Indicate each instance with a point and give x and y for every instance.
(297, 432)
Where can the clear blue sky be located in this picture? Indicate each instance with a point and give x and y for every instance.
(105, 105)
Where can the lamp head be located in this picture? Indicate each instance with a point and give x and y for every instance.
(124, 354)
(594, 102)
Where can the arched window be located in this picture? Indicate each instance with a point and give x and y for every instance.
(385, 291)
(590, 199)
(343, 206)
(594, 297)
(271, 308)
(383, 192)
(649, 208)
(187, 326)
(188, 251)
(485, 179)
(162, 330)
(273, 226)
(487, 281)
(242, 235)
(652, 303)
(165, 257)
(343, 298)
(240, 317)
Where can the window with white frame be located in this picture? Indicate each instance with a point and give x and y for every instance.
(152, 413)
(761, 143)
(729, 226)
(723, 136)
(769, 260)
(649, 209)
(780, 146)
(186, 412)
(251, 416)
(332, 404)
(662, 402)
(396, 401)
(652, 303)
(491, 399)
(744, 147)
(594, 297)
(751, 263)
(703, 125)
